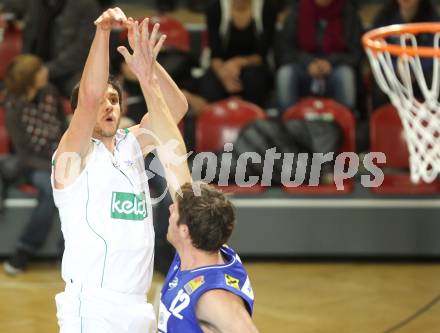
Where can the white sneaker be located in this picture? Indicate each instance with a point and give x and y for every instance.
(11, 270)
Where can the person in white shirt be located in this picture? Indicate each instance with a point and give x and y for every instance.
(101, 191)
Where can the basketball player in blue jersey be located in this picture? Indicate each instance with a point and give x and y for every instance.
(207, 288)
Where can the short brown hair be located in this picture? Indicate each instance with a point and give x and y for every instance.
(111, 81)
(210, 217)
(20, 73)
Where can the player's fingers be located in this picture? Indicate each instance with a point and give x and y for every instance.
(130, 33)
(101, 18)
(115, 18)
(136, 35)
(105, 17)
(98, 20)
(121, 14)
(144, 28)
(111, 13)
(153, 36)
(123, 50)
(158, 45)
(118, 18)
(128, 22)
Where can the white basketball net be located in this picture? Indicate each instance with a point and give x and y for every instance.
(399, 76)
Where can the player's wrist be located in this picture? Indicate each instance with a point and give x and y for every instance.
(102, 32)
(149, 83)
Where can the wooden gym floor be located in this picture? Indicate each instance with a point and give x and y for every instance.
(290, 297)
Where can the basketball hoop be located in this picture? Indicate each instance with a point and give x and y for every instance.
(398, 70)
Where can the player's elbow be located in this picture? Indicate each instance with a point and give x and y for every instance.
(243, 321)
(245, 325)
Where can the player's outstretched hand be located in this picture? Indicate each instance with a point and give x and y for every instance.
(145, 48)
(111, 18)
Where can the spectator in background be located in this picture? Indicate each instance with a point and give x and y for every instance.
(401, 12)
(35, 121)
(171, 5)
(319, 52)
(16, 7)
(406, 11)
(165, 5)
(240, 35)
(60, 32)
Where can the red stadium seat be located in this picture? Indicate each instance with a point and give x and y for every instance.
(310, 107)
(220, 123)
(67, 107)
(28, 189)
(10, 46)
(204, 39)
(344, 117)
(177, 35)
(387, 136)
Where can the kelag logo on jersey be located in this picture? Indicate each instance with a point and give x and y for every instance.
(128, 206)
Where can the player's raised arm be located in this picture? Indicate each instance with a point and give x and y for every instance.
(173, 96)
(221, 311)
(92, 88)
(169, 141)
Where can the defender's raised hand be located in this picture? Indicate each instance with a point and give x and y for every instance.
(111, 18)
(145, 47)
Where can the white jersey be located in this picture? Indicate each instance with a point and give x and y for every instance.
(106, 219)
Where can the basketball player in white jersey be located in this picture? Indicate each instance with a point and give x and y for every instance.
(103, 197)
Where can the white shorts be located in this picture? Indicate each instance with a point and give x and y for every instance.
(103, 311)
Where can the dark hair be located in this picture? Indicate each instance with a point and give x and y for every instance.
(21, 72)
(426, 12)
(210, 217)
(111, 80)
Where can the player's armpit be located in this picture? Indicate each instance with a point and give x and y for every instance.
(219, 310)
(68, 164)
(80, 130)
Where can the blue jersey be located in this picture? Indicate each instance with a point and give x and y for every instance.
(182, 290)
